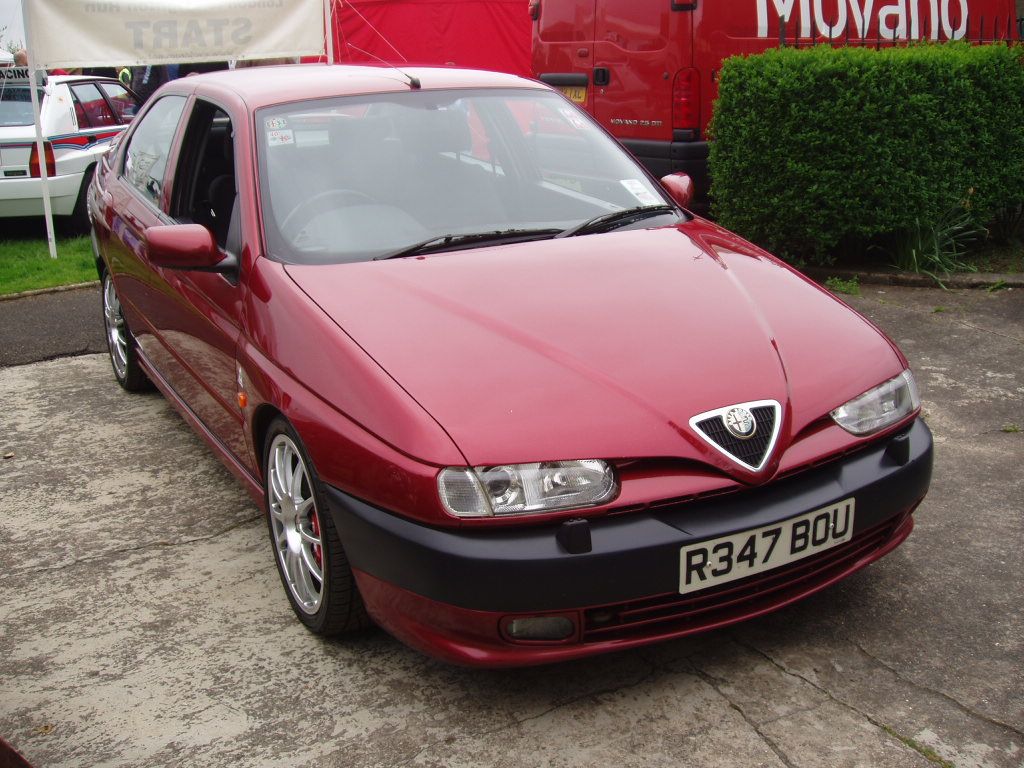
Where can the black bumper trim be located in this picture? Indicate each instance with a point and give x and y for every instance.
(565, 78)
(633, 556)
(664, 157)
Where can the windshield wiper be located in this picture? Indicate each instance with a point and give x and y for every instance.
(615, 219)
(453, 241)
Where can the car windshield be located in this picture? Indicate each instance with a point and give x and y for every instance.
(357, 178)
(16, 105)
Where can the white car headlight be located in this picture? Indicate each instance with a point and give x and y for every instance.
(879, 407)
(522, 489)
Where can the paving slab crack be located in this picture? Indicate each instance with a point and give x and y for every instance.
(964, 323)
(800, 711)
(716, 686)
(515, 723)
(952, 318)
(141, 548)
(928, 754)
(941, 694)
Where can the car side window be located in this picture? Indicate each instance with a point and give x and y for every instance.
(148, 147)
(122, 100)
(205, 188)
(91, 108)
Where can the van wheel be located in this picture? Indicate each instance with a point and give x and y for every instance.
(310, 560)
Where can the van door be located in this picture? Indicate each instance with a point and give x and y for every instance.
(641, 46)
(563, 46)
(727, 29)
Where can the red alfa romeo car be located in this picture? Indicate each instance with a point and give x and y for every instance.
(498, 391)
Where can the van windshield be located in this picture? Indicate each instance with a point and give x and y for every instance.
(357, 178)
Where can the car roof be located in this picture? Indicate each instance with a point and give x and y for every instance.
(70, 79)
(264, 86)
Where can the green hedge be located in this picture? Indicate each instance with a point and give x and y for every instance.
(822, 146)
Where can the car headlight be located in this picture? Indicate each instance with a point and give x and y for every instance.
(522, 489)
(879, 407)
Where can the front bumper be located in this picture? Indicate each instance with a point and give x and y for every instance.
(446, 592)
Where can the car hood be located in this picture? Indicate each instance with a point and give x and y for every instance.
(603, 346)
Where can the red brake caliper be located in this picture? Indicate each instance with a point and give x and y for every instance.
(318, 553)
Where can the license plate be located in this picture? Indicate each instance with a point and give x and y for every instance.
(728, 558)
(575, 93)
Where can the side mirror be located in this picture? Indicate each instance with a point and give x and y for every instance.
(187, 247)
(679, 187)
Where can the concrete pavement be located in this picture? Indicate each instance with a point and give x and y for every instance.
(142, 621)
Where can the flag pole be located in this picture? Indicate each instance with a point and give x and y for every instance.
(329, 29)
(40, 147)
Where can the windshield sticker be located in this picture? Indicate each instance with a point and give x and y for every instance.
(312, 138)
(575, 118)
(636, 188)
(275, 123)
(280, 138)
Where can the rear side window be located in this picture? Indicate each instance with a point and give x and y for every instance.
(91, 108)
(121, 99)
(146, 157)
(16, 105)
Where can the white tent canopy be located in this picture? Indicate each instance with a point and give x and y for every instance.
(87, 33)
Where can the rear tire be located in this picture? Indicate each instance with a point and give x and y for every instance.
(311, 561)
(78, 221)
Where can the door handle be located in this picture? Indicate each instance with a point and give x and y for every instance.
(602, 76)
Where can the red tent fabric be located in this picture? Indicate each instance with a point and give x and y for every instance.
(483, 34)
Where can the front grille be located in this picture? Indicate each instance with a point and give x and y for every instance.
(750, 451)
(675, 613)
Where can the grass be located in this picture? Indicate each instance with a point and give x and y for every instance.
(927, 752)
(850, 287)
(25, 264)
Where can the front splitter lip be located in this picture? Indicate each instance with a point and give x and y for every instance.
(633, 556)
(472, 638)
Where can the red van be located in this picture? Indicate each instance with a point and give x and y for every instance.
(647, 69)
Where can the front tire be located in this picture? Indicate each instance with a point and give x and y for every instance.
(310, 560)
(124, 357)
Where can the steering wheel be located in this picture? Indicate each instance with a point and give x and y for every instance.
(303, 213)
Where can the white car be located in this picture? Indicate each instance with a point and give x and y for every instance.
(80, 117)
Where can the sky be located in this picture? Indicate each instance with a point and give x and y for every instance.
(10, 17)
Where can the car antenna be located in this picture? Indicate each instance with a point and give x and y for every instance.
(414, 82)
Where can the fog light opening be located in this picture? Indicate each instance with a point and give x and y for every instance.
(543, 629)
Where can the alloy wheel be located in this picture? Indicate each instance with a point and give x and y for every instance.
(295, 524)
(117, 339)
